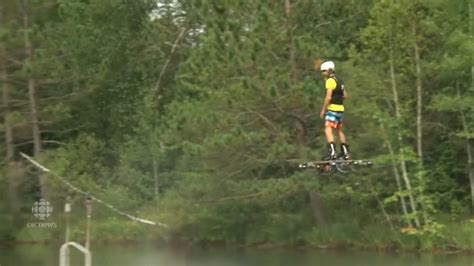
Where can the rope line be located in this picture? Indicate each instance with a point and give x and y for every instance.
(63, 180)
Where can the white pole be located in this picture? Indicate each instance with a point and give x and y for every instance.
(67, 210)
(88, 229)
(62, 254)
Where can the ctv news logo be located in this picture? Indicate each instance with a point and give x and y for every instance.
(41, 209)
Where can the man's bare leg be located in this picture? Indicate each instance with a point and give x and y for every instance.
(332, 147)
(329, 134)
(342, 136)
(344, 146)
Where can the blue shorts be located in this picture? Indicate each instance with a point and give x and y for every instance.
(334, 119)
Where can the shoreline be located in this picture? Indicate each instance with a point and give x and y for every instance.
(337, 247)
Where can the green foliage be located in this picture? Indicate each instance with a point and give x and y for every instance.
(195, 113)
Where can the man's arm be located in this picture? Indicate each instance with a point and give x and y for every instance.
(327, 100)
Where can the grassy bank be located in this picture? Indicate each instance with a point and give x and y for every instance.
(451, 237)
(455, 236)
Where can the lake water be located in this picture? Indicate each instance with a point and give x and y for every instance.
(148, 255)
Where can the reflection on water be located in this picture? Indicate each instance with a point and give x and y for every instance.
(141, 255)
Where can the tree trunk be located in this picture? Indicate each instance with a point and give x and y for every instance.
(12, 178)
(300, 121)
(6, 100)
(397, 176)
(34, 108)
(405, 176)
(32, 90)
(470, 163)
(317, 207)
(6, 114)
(419, 99)
(155, 174)
(419, 117)
(291, 42)
(382, 208)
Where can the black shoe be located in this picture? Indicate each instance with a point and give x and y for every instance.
(330, 157)
(331, 152)
(344, 155)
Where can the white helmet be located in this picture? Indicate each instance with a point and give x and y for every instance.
(327, 65)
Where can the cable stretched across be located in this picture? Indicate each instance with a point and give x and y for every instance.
(64, 181)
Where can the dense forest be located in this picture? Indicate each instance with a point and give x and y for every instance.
(195, 113)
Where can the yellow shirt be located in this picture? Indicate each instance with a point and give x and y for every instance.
(331, 85)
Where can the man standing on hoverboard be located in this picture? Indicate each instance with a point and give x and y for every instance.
(333, 112)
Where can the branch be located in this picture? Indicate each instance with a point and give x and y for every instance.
(334, 22)
(63, 80)
(11, 80)
(156, 89)
(60, 98)
(265, 119)
(16, 62)
(246, 196)
(43, 141)
(62, 131)
(292, 115)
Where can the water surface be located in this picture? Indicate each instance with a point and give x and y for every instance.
(149, 255)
